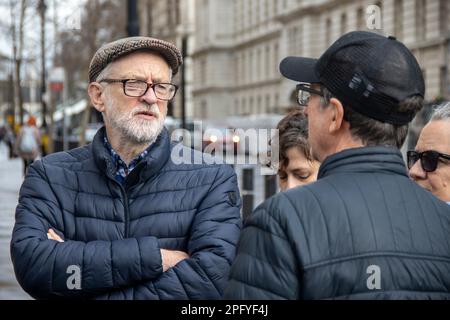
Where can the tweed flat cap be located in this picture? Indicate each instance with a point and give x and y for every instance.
(114, 50)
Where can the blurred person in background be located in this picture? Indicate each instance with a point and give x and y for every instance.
(28, 143)
(429, 163)
(10, 140)
(297, 167)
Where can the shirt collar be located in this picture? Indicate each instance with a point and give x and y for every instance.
(122, 169)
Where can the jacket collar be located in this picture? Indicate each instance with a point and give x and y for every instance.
(365, 159)
(152, 163)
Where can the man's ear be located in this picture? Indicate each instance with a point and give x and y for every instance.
(337, 115)
(95, 91)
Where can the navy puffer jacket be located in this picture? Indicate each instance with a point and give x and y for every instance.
(113, 234)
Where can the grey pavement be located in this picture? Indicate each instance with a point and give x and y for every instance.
(10, 182)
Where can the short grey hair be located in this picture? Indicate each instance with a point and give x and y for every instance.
(104, 73)
(373, 132)
(442, 112)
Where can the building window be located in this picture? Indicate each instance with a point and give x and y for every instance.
(203, 71)
(250, 69)
(247, 179)
(258, 65)
(244, 67)
(398, 19)
(424, 74)
(443, 16)
(270, 185)
(360, 19)
(247, 205)
(421, 21)
(204, 110)
(205, 25)
(250, 12)
(275, 57)
(266, 9)
(268, 103)
(257, 12)
(236, 68)
(242, 14)
(259, 106)
(277, 98)
(444, 84)
(343, 23)
(177, 12)
(292, 38)
(328, 32)
(267, 61)
(247, 191)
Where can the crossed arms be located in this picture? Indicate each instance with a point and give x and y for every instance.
(134, 268)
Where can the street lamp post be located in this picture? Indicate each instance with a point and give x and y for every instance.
(41, 8)
(133, 19)
(184, 50)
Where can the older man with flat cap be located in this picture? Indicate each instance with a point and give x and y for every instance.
(119, 219)
(364, 230)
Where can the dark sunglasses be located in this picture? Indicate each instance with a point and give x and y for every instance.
(428, 159)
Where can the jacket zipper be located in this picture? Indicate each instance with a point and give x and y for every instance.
(126, 207)
(127, 211)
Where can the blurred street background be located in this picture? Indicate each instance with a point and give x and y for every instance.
(10, 181)
(229, 80)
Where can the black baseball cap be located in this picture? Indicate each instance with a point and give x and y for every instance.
(368, 72)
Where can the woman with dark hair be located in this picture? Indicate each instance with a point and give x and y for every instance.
(297, 167)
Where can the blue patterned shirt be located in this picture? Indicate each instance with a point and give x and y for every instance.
(122, 170)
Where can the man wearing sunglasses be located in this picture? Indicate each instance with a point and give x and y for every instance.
(429, 163)
(119, 219)
(363, 230)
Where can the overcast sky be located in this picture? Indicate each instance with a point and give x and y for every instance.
(68, 16)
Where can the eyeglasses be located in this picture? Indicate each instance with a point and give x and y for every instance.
(138, 88)
(304, 92)
(428, 159)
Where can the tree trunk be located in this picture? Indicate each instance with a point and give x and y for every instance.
(23, 8)
(92, 45)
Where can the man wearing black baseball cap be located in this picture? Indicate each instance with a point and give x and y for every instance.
(364, 230)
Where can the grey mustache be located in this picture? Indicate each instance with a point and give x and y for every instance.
(152, 109)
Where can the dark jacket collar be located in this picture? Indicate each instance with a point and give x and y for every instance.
(156, 158)
(366, 159)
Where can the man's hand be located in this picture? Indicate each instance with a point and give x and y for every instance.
(171, 257)
(53, 236)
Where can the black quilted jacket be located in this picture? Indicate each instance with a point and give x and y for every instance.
(364, 230)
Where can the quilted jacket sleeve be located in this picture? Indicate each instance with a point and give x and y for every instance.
(211, 248)
(43, 267)
(265, 266)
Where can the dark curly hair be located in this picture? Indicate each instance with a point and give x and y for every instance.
(293, 132)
